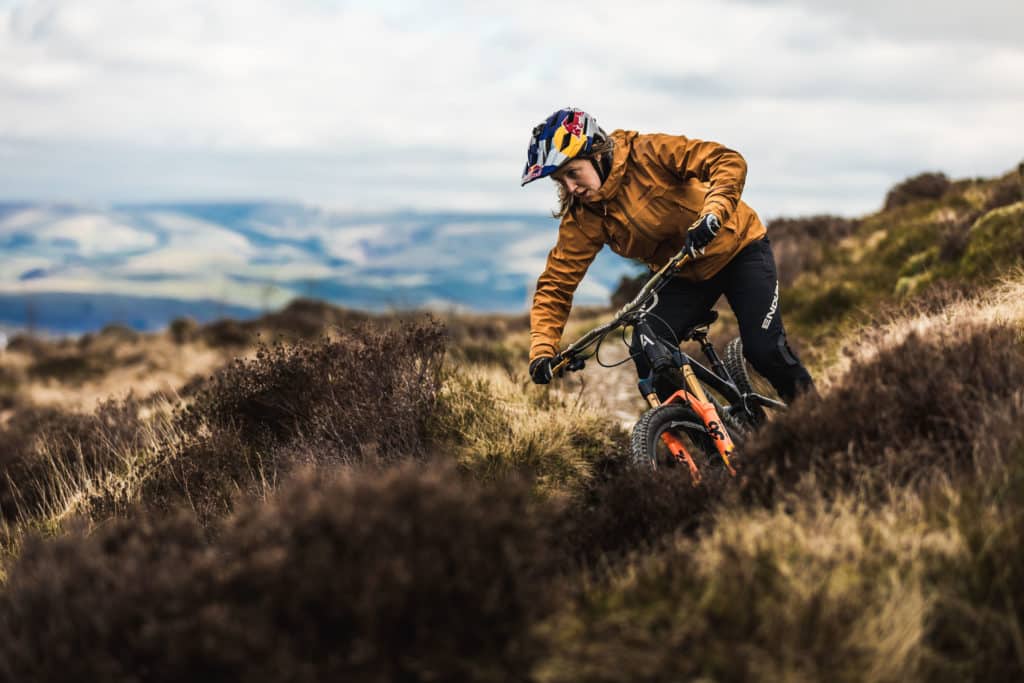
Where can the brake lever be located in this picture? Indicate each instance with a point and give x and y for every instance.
(576, 364)
(564, 364)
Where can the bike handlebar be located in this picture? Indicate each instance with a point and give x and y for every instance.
(657, 281)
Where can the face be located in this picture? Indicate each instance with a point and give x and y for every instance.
(579, 178)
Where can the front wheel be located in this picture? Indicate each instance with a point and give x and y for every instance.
(648, 447)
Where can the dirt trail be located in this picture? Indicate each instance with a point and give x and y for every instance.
(613, 389)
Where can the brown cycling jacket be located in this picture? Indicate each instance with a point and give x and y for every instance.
(657, 187)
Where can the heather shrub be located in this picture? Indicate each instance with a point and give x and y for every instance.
(623, 509)
(901, 416)
(307, 319)
(11, 380)
(1008, 190)
(801, 244)
(71, 366)
(627, 289)
(365, 396)
(922, 186)
(405, 574)
(209, 475)
(47, 454)
(183, 330)
(368, 391)
(226, 333)
(118, 332)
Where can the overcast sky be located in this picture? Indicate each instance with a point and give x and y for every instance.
(385, 105)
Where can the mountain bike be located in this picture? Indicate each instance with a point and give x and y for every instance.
(693, 407)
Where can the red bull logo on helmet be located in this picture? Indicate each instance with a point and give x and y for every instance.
(573, 123)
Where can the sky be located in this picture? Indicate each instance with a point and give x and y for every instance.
(384, 105)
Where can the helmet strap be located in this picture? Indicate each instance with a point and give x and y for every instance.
(603, 165)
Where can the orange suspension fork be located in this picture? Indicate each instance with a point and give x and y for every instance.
(698, 400)
(679, 452)
(675, 445)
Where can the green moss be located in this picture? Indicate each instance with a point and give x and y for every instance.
(812, 303)
(996, 242)
(919, 262)
(911, 284)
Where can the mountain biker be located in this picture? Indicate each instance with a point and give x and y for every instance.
(647, 197)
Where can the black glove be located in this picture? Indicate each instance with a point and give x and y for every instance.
(701, 233)
(540, 370)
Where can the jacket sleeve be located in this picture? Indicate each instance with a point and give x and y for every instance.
(567, 264)
(723, 169)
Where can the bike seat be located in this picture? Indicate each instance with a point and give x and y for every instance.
(702, 322)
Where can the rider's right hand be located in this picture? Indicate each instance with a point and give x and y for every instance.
(540, 370)
(700, 234)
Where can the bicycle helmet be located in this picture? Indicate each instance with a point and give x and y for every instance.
(565, 135)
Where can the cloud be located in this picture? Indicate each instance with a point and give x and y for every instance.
(428, 104)
(988, 22)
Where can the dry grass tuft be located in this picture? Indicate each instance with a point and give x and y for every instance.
(495, 424)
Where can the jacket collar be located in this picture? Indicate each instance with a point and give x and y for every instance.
(623, 140)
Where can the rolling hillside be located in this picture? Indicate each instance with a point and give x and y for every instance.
(72, 269)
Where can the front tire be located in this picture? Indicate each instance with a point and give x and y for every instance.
(647, 449)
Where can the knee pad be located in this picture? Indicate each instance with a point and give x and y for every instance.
(767, 356)
(786, 353)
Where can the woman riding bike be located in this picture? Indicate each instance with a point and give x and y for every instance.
(647, 197)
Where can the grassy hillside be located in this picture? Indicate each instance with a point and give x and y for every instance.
(322, 494)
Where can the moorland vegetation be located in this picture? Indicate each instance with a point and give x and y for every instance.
(322, 493)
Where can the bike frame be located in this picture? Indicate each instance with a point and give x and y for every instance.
(663, 357)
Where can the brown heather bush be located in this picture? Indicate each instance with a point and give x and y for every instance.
(1008, 190)
(11, 380)
(308, 319)
(906, 415)
(365, 396)
(923, 186)
(183, 330)
(629, 286)
(800, 244)
(367, 390)
(410, 574)
(46, 453)
(226, 333)
(623, 509)
(210, 474)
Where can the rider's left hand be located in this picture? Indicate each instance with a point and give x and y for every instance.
(700, 234)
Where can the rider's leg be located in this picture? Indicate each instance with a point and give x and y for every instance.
(680, 305)
(752, 287)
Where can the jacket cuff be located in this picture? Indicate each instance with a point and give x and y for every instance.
(543, 349)
(716, 208)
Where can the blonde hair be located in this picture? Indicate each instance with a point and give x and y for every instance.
(566, 201)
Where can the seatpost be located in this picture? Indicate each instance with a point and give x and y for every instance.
(701, 337)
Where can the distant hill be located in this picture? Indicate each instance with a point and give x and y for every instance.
(68, 313)
(69, 268)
